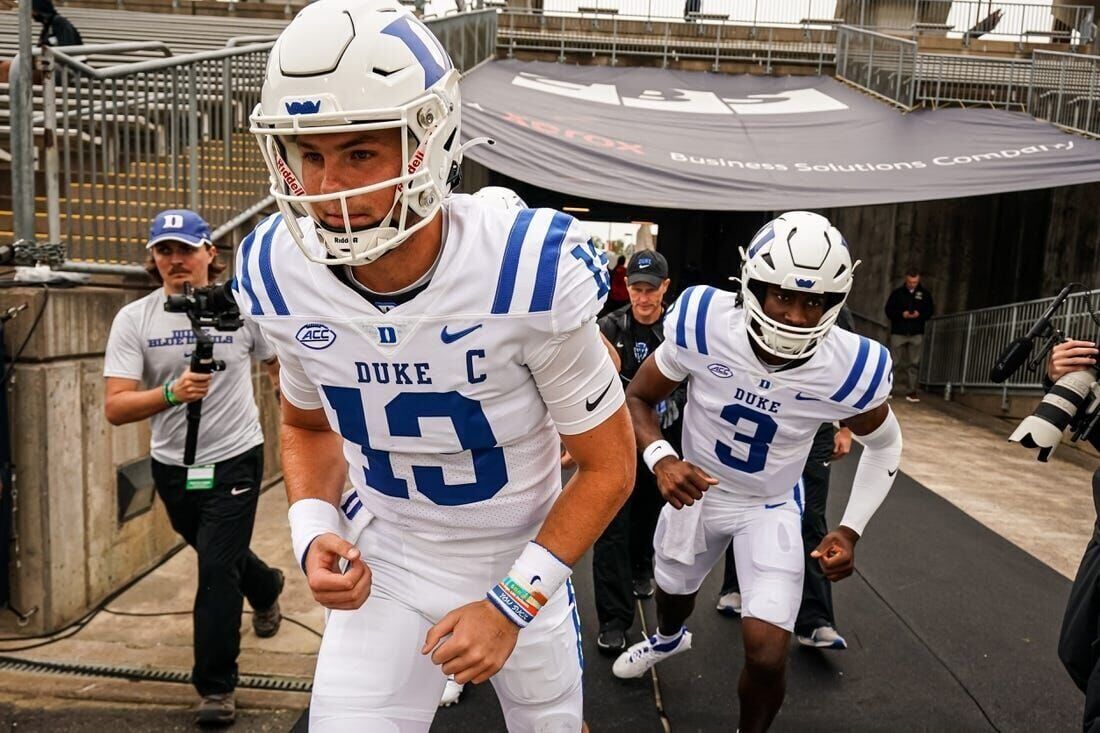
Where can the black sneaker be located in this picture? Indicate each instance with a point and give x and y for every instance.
(216, 711)
(644, 588)
(266, 621)
(611, 641)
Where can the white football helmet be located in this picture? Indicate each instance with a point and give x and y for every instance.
(798, 251)
(358, 65)
(501, 197)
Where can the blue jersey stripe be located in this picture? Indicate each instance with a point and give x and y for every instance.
(854, 375)
(872, 388)
(268, 276)
(576, 621)
(546, 278)
(798, 496)
(506, 283)
(681, 320)
(246, 276)
(701, 320)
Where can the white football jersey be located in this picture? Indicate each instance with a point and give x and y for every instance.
(749, 426)
(445, 430)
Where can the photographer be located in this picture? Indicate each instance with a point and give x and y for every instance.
(212, 503)
(1079, 645)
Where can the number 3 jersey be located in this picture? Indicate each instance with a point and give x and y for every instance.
(749, 425)
(449, 404)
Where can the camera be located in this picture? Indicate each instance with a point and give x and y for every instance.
(1074, 400)
(209, 307)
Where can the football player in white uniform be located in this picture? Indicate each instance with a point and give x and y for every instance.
(435, 348)
(763, 378)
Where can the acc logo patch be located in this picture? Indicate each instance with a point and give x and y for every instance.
(720, 370)
(316, 336)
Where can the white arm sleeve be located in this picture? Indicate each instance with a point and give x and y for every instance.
(577, 380)
(875, 473)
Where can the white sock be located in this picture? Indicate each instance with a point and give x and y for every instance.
(662, 639)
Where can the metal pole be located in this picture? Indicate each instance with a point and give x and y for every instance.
(22, 133)
(49, 105)
(193, 138)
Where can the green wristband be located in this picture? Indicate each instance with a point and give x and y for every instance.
(169, 397)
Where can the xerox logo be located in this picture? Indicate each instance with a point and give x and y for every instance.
(316, 336)
(589, 138)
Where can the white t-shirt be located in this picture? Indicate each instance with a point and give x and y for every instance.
(749, 426)
(151, 345)
(450, 404)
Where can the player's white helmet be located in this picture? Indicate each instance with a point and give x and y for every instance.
(798, 251)
(357, 65)
(501, 197)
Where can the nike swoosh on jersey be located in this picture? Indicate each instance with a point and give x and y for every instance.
(238, 490)
(773, 506)
(450, 338)
(799, 396)
(891, 473)
(590, 405)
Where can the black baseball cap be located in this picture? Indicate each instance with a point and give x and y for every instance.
(647, 266)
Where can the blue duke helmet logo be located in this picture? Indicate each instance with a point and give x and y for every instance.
(316, 336)
(303, 107)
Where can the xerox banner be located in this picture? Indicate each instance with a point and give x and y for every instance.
(695, 140)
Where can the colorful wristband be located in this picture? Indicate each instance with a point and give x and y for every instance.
(169, 396)
(533, 580)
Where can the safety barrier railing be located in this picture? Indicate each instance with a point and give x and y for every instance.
(123, 141)
(960, 349)
(1065, 89)
(963, 19)
(881, 64)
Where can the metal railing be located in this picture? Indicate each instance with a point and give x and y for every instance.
(884, 65)
(125, 140)
(1062, 88)
(961, 348)
(716, 41)
(1065, 90)
(964, 19)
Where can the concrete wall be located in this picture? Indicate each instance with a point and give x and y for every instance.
(69, 551)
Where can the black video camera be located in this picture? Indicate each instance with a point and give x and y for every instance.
(209, 307)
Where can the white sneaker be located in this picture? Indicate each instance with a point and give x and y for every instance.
(730, 604)
(639, 658)
(451, 692)
(823, 637)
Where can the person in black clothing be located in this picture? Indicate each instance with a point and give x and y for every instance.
(1079, 642)
(908, 308)
(56, 28)
(56, 31)
(816, 622)
(622, 558)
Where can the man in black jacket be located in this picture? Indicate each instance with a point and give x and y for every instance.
(1079, 643)
(622, 558)
(908, 308)
(56, 28)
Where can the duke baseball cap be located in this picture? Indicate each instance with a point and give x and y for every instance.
(179, 225)
(647, 266)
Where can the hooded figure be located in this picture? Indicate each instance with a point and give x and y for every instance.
(56, 29)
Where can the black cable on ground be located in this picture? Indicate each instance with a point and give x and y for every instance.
(926, 645)
(34, 327)
(151, 614)
(658, 700)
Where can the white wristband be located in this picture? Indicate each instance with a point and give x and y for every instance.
(533, 580)
(657, 450)
(309, 519)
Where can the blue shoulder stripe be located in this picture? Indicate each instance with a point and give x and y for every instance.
(266, 273)
(546, 277)
(872, 388)
(681, 320)
(246, 276)
(506, 283)
(854, 375)
(701, 320)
